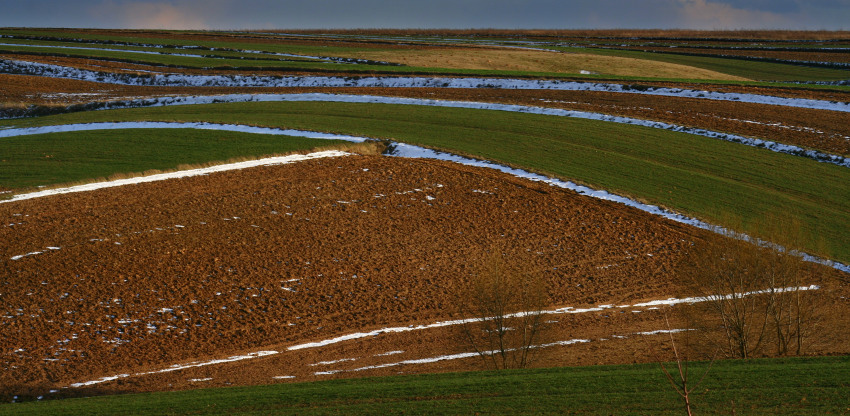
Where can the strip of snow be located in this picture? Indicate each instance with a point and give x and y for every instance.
(564, 310)
(34, 253)
(185, 80)
(669, 301)
(178, 367)
(98, 381)
(179, 174)
(389, 353)
(676, 301)
(492, 352)
(341, 360)
(321, 97)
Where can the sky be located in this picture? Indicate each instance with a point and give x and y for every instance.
(429, 14)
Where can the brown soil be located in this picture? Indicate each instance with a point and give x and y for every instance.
(152, 275)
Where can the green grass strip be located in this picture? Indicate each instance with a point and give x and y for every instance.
(721, 182)
(803, 386)
(47, 159)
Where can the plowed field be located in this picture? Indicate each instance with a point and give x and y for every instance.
(139, 278)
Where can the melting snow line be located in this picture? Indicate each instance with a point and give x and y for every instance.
(177, 367)
(34, 253)
(183, 80)
(179, 174)
(564, 310)
(322, 97)
(492, 352)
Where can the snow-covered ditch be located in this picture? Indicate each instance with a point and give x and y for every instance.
(186, 80)
(320, 97)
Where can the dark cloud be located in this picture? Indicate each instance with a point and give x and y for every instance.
(259, 14)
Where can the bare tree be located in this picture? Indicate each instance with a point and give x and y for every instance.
(755, 296)
(681, 383)
(793, 308)
(503, 311)
(725, 272)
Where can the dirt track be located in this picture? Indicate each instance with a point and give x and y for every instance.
(152, 275)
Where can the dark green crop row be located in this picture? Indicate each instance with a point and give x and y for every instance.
(800, 386)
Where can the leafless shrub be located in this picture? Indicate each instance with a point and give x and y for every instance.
(503, 311)
(756, 296)
(681, 382)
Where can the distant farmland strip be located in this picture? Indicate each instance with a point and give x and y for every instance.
(37, 69)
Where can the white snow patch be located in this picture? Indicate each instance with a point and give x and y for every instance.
(341, 360)
(389, 353)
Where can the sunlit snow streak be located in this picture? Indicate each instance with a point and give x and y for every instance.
(178, 367)
(357, 335)
(179, 174)
(491, 352)
(564, 310)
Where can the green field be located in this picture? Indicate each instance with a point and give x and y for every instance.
(48, 159)
(713, 180)
(802, 386)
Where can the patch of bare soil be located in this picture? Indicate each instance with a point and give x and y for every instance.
(140, 278)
